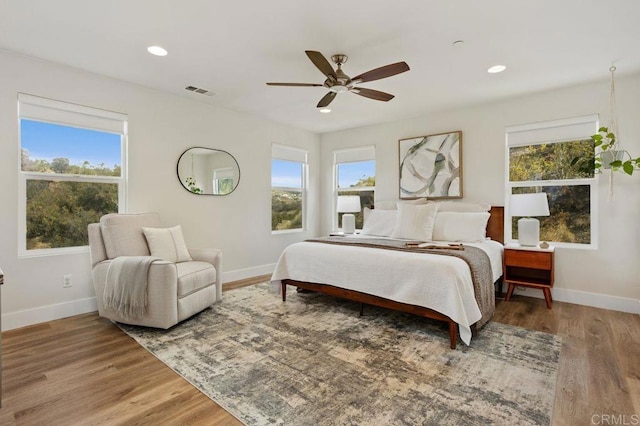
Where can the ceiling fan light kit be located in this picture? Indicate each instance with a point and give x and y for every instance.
(338, 82)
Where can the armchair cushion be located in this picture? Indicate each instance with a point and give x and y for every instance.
(167, 243)
(194, 276)
(122, 233)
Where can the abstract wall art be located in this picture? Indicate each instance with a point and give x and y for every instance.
(431, 166)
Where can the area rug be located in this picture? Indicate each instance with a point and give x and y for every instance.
(314, 361)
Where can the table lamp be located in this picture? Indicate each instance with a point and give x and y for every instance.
(527, 205)
(348, 204)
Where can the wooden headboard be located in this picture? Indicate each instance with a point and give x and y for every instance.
(495, 227)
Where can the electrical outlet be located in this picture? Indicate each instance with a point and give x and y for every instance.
(67, 280)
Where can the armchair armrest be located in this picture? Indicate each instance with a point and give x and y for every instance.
(213, 256)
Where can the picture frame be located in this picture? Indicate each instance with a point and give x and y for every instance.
(431, 166)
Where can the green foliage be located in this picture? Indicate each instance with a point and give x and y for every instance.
(286, 210)
(549, 161)
(607, 144)
(58, 212)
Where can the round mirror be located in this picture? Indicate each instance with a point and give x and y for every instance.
(208, 171)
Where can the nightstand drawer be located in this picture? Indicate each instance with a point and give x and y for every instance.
(529, 259)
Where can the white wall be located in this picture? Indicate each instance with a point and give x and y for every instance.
(161, 127)
(614, 268)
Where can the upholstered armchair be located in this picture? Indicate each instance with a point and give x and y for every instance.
(176, 288)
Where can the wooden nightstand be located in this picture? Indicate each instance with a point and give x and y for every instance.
(529, 267)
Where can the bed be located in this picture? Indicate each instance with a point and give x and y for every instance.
(426, 282)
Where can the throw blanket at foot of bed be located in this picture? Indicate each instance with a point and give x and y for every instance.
(477, 259)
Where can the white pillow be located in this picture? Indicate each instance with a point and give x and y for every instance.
(167, 244)
(460, 226)
(463, 206)
(415, 222)
(393, 205)
(379, 222)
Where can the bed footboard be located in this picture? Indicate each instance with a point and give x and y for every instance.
(369, 299)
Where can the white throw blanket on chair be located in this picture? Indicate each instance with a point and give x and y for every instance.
(125, 290)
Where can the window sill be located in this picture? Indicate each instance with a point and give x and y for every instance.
(28, 254)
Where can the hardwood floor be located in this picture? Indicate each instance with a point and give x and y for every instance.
(84, 370)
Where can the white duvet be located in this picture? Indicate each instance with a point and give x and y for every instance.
(441, 283)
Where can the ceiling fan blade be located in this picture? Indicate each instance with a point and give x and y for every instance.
(372, 94)
(326, 100)
(295, 84)
(321, 63)
(382, 72)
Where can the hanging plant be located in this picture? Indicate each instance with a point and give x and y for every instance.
(609, 155)
(609, 152)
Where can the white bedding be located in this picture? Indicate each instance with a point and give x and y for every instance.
(441, 283)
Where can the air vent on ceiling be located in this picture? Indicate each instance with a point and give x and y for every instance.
(199, 90)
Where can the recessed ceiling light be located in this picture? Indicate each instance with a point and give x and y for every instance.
(324, 110)
(496, 69)
(157, 50)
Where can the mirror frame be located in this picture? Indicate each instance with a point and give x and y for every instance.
(210, 149)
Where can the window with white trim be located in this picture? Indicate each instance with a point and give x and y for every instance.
(355, 174)
(539, 159)
(223, 180)
(288, 187)
(71, 172)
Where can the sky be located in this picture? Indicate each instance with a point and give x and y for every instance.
(288, 173)
(46, 141)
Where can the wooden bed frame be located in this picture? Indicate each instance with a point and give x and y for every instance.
(495, 230)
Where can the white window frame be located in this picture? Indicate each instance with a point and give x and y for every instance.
(345, 156)
(46, 110)
(296, 155)
(555, 131)
(218, 175)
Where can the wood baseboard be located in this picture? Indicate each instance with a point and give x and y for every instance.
(232, 285)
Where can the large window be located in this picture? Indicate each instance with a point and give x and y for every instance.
(355, 175)
(539, 160)
(71, 172)
(288, 184)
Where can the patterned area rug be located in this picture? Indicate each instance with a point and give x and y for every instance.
(314, 361)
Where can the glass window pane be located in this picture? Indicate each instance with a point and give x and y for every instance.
(55, 148)
(286, 209)
(58, 212)
(366, 200)
(357, 174)
(551, 161)
(286, 174)
(570, 209)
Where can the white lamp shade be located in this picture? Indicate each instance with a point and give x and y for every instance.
(348, 204)
(529, 205)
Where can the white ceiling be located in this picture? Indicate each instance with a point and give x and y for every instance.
(234, 48)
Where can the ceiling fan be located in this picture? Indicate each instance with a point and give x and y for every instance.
(337, 81)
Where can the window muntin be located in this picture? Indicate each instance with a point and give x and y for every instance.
(539, 159)
(287, 190)
(69, 174)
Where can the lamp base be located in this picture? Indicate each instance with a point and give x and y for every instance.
(348, 223)
(528, 232)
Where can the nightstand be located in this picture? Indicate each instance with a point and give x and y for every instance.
(529, 267)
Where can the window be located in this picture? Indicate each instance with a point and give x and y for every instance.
(288, 184)
(355, 175)
(539, 160)
(71, 172)
(223, 180)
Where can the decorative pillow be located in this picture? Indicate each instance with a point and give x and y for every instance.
(460, 226)
(379, 222)
(462, 206)
(393, 205)
(167, 244)
(415, 222)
